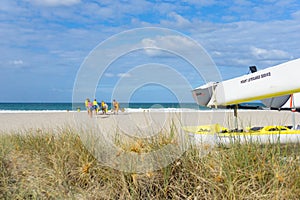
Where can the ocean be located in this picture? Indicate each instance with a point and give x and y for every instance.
(52, 107)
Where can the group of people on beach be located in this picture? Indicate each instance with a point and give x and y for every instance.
(95, 107)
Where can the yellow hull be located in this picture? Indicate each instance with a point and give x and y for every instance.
(224, 132)
(216, 134)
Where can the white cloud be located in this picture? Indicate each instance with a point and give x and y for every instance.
(179, 20)
(201, 2)
(13, 64)
(176, 20)
(296, 14)
(150, 45)
(168, 43)
(217, 53)
(16, 62)
(264, 54)
(248, 43)
(55, 2)
(109, 75)
(124, 75)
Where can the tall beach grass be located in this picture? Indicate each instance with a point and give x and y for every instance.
(40, 164)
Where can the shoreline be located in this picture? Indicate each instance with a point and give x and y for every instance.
(133, 110)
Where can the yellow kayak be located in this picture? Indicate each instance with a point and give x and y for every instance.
(216, 134)
(223, 132)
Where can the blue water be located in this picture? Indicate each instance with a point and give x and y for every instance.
(35, 106)
(70, 106)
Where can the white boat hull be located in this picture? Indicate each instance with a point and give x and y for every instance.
(276, 102)
(200, 139)
(271, 82)
(202, 95)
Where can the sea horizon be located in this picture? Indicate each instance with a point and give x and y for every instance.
(69, 106)
(75, 106)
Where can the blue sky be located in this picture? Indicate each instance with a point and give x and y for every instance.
(44, 42)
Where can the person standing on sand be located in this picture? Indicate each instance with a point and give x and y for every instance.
(116, 106)
(90, 108)
(95, 106)
(87, 105)
(104, 107)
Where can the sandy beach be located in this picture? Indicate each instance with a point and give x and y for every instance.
(108, 162)
(143, 121)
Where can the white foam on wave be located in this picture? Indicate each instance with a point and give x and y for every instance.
(133, 110)
(128, 110)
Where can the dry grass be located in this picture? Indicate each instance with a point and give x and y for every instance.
(43, 165)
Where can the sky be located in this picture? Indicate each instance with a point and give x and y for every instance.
(46, 45)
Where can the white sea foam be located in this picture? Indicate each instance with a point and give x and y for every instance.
(131, 110)
(127, 110)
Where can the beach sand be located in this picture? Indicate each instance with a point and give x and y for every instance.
(146, 122)
(113, 139)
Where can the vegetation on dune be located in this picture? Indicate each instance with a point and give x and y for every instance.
(43, 165)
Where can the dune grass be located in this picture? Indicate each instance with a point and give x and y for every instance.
(42, 165)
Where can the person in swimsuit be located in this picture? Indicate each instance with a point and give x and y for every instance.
(104, 107)
(95, 106)
(116, 106)
(89, 107)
